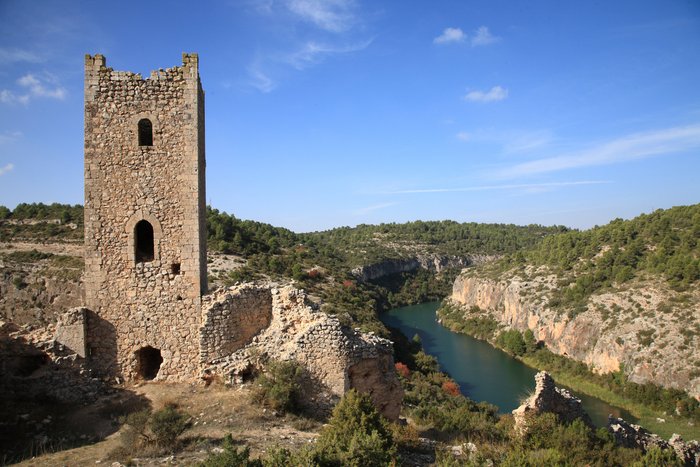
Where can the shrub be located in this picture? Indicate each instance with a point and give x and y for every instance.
(280, 386)
(356, 435)
(451, 388)
(167, 424)
(231, 456)
(402, 369)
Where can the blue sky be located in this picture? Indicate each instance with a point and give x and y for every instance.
(339, 112)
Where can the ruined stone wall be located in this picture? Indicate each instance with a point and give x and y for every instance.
(549, 398)
(155, 303)
(70, 330)
(335, 358)
(231, 321)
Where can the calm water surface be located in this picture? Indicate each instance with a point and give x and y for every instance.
(483, 372)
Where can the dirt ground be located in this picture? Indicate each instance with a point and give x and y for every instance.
(215, 411)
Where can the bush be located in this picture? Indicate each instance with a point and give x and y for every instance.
(280, 386)
(148, 433)
(356, 435)
(167, 424)
(231, 456)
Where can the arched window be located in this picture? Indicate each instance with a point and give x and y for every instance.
(144, 242)
(145, 132)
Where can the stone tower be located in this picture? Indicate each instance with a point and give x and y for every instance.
(145, 231)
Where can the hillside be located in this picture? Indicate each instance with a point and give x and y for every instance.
(243, 250)
(621, 297)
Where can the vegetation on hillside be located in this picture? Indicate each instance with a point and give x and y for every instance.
(667, 402)
(665, 242)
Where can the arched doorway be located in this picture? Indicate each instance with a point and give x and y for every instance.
(148, 361)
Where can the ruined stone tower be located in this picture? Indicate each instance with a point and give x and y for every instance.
(145, 232)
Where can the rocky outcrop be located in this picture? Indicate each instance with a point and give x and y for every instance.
(434, 263)
(609, 333)
(336, 358)
(634, 436)
(551, 399)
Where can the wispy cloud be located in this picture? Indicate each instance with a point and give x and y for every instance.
(519, 186)
(463, 136)
(6, 169)
(483, 36)
(635, 146)
(33, 86)
(313, 52)
(375, 207)
(260, 81)
(14, 55)
(9, 136)
(496, 93)
(329, 15)
(450, 36)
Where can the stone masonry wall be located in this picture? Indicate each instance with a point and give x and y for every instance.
(549, 398)
(232, 319)
(155, 303)
(336, 358)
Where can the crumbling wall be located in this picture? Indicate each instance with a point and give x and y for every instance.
(70, 330)
(232, 319)
(335, 358)
(549, 398)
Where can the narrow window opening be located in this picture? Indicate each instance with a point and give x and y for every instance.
(143, 244)
(175, 268)
(145, 132)
(148, 361)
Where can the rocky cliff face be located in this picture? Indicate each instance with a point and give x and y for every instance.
(650, 330)
(434, 263)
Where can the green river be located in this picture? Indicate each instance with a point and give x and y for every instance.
(483, 372)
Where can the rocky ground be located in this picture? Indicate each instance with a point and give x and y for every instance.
(215, 411)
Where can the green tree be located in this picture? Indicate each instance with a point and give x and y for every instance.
(356, 435)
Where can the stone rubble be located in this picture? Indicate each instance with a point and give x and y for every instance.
(636, 437)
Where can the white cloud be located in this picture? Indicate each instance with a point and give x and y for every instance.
(12, 55)
(313, 52)
(483, 36)
(450, 35)
(496, 93)
(519, 186)
(38, 87)
(9, 136)
(6, 169)
(375, 207)
(631, 147)
(463, 136)
(33, 87)
(330, 15)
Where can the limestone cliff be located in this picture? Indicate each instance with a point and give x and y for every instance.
(430, 262)
(645, 327)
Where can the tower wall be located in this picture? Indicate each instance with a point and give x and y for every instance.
(142, 300)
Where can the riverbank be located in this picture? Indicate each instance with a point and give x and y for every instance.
(568, 372)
